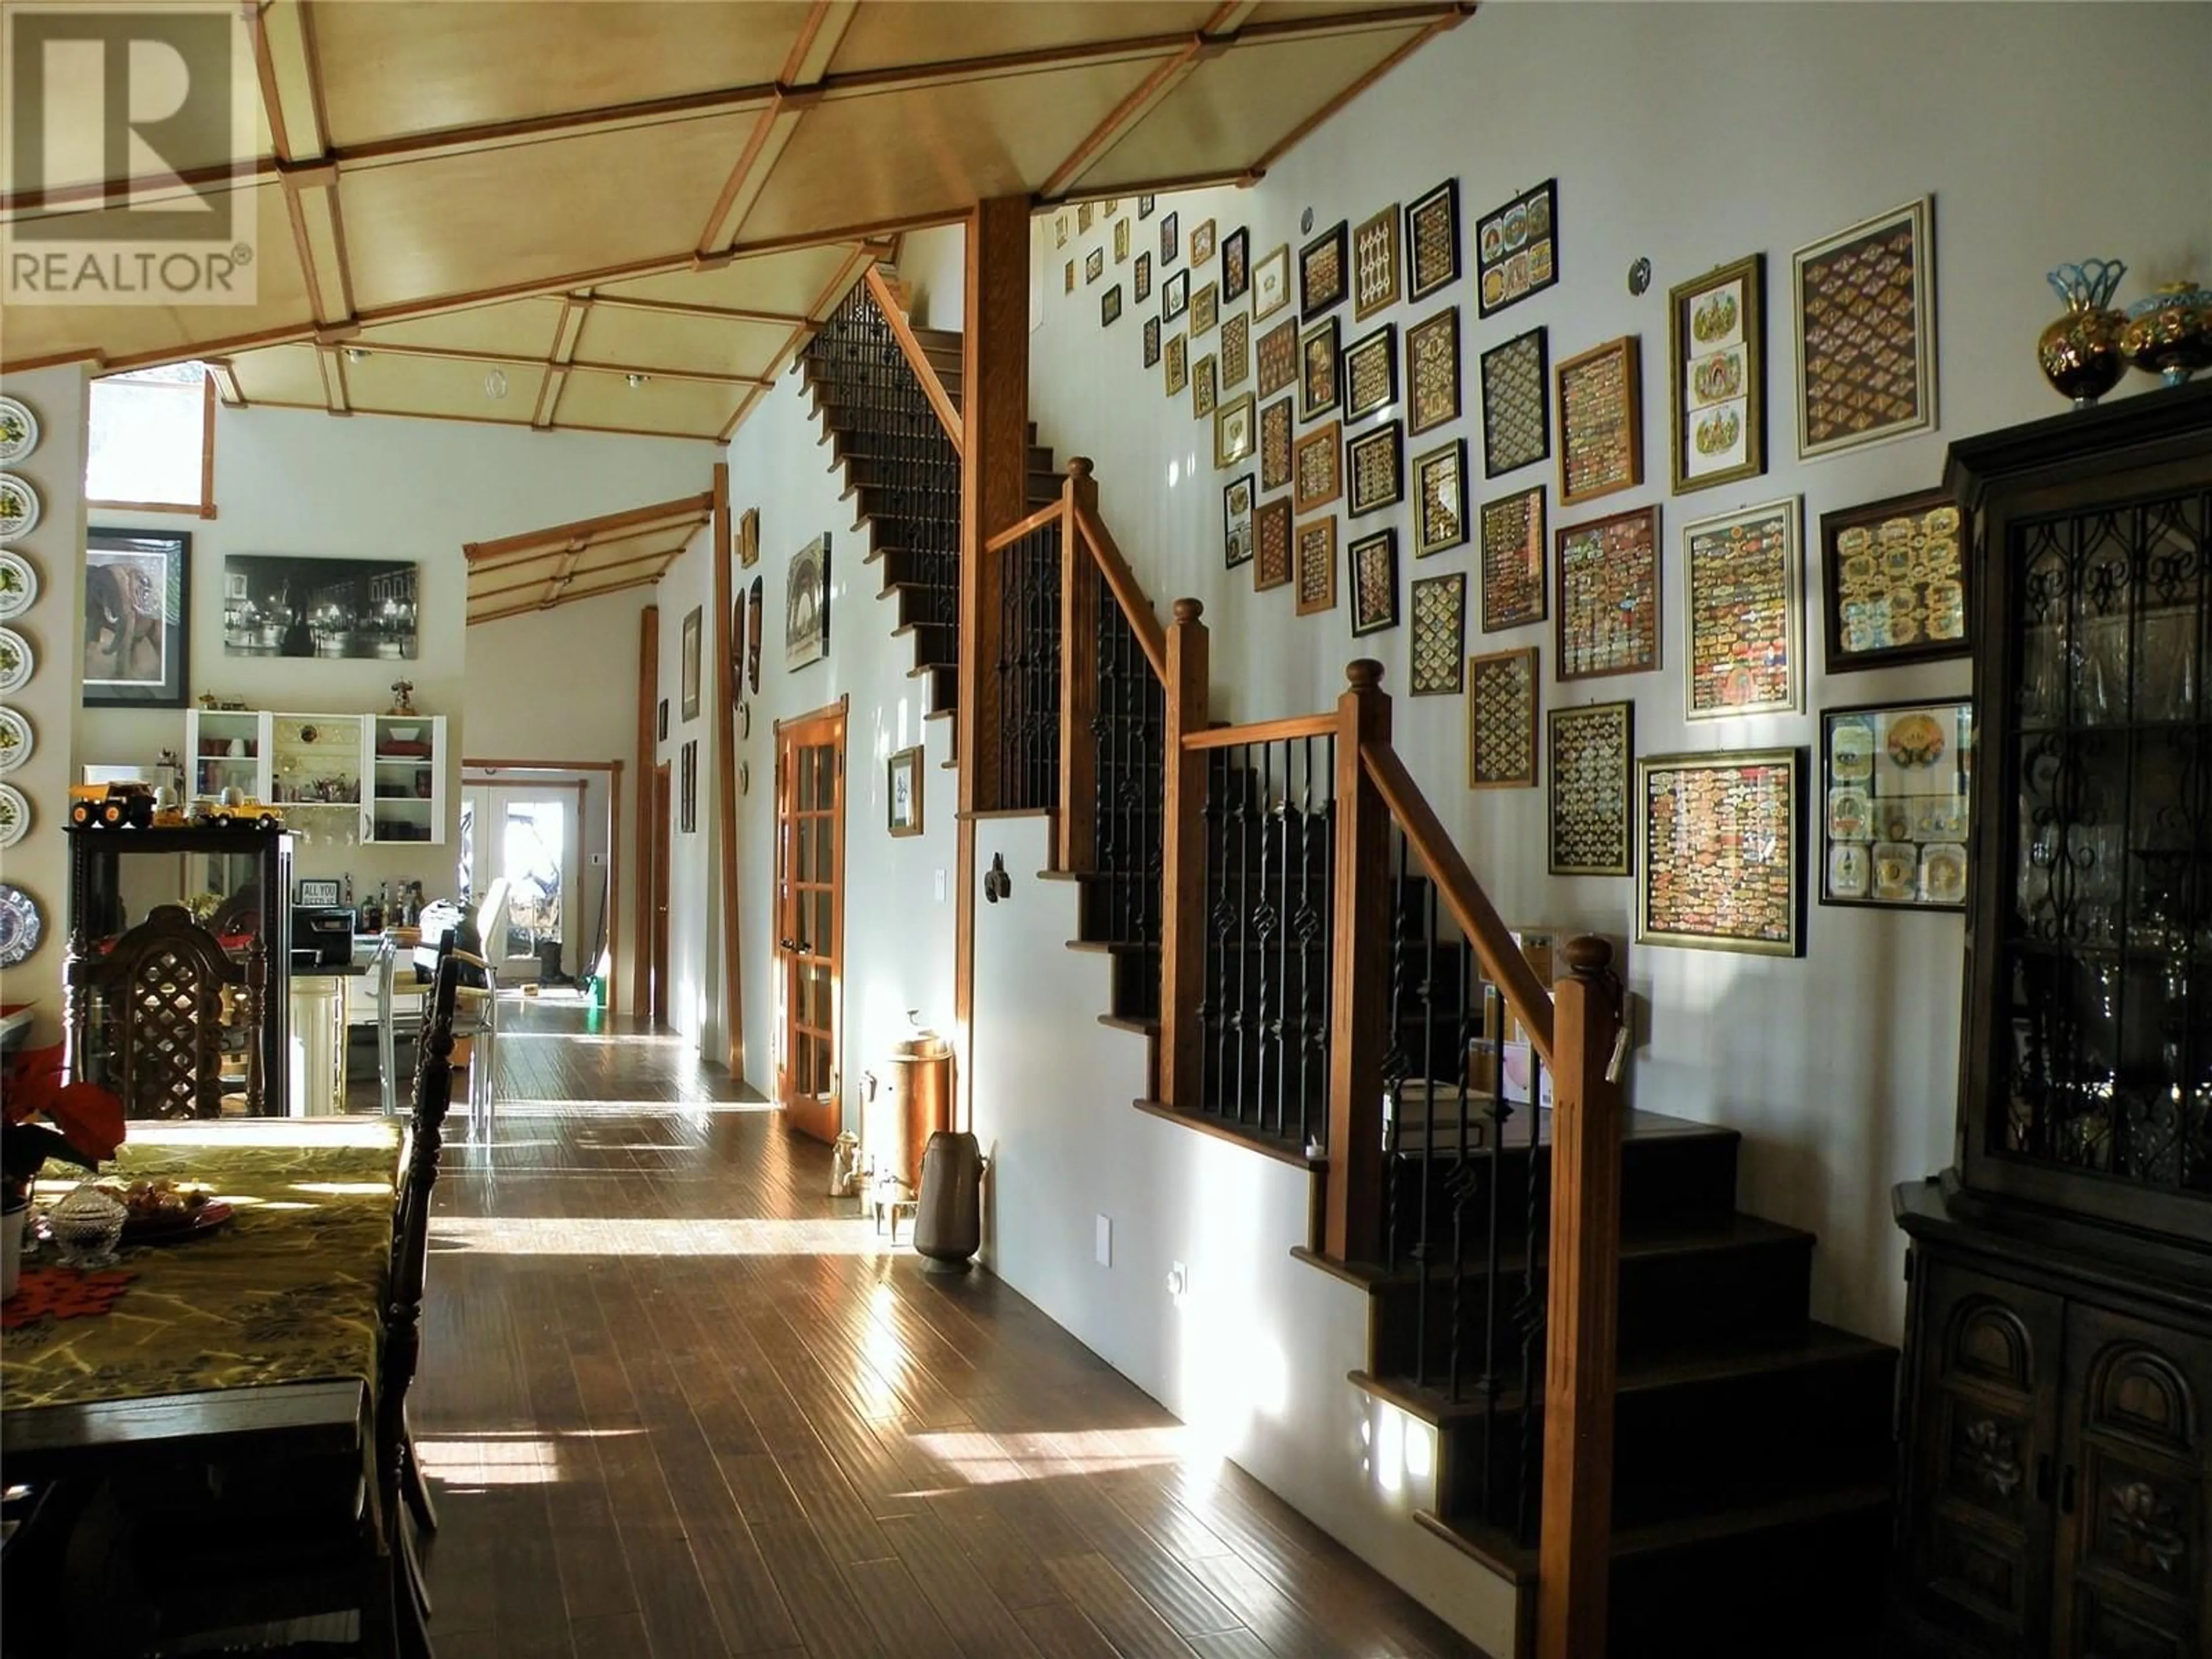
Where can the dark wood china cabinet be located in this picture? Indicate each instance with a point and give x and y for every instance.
(2056, 1487)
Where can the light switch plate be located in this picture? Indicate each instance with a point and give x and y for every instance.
(1105, 1247)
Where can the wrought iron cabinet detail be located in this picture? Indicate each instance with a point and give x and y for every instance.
(2056, 1434)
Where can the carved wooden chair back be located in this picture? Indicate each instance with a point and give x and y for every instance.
(165, 983)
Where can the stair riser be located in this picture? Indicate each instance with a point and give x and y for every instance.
(1136, 991)
(1660, 1179)
(1106, 913)
(903, 566)
(1811, 1591)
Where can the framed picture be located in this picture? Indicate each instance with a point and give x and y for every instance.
(1236, 501)
(1144, 207)
(1318, 388)
(1317, 474)
(1320, 271)
(1170, 239)
(1516, 405)
(1607, 578)
(1743, 587)
(1233, 437)
(1432, 371)
(1277, 353)
(1439, 612)
(1067, 282)
(1275, 437)
(1517, 249)
(137, 617)
(1236, 264)
(1060, 230)
(1140, 279)
(1716, 373)
(1601, 398)
(1433, 241)
(1205, 308)
(1866, 332)
(1375, 463)
(1271, 283)
(1094, 266)
(1175, 296)
(283, 607)
(1440, 498)
(902, 784)
(1896, 582)
(1205, 386)
(1178, 364)
(660, 727)
(1109, 306)
(1372, 561)
(1375, 264)
(691, 631)
(1121, 241)
(1593, 749)
(1501, 720)
(319, 892)
(756, 609)
(1201, 242)
(1235, 350)
(807, 605)
(1717, 865)
(1894, 782)
(1512, 560)
(1085, 214)
(1271, 545)
(1151, 341)
(687, 788)
(1317, 566)
(1371, 372)
(748, 538)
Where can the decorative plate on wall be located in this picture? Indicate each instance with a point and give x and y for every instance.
(19, 586)
(17, 744)
(19, 507)
(21, 926)
(14, 815)
(18, 431)
(18, 662)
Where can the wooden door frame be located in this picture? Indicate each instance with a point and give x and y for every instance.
(488, 778)
(661, 840)
(837, 715)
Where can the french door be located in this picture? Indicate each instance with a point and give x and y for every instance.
(810, 918)
(525, 834)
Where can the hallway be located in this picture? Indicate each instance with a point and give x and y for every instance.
(676, 1402)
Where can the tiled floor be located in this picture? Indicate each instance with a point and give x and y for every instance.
(677, 1402)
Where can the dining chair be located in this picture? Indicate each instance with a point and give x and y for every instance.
(398, 1013)
(477, 1020)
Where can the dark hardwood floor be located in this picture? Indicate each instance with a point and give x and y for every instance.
(677, 1401)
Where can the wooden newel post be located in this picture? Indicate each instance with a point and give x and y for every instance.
(1079, 674)
(1182, 863)
(1360, 976)
(1581, 1308)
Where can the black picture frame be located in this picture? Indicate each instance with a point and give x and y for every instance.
(1918, 515)
(1109, 306)
(1378, 346)
(1429, 270)
(1513, 257)
(1389, 438)
(1928, 830)
(1498, 459)
(1372, 613)
(1170, 239)
(1317, 291)
(692, 622)
(660, 724)
(1239, 497)
(121, 568)
(1152, 342)
(1236, 263)
(1175, 296)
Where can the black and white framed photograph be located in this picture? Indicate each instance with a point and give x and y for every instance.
(137, 626)
(807, 605)
(275, 606)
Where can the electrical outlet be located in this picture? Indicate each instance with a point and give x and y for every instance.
(598, 859)
(940, 886)
(1105, 1246)
(1178, 1283)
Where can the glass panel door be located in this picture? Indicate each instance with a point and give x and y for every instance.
(810, 919)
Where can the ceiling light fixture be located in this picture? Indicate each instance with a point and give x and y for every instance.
(356, 355)
(495, 384)
(635, 381)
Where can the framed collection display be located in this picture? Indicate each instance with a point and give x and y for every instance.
(1517, 249)
(1896, 581)
(1432, 371)
(1175, 296)
(1607, 578)
(1317, 474)
(1140, 279)
(1317, 362)
(1237, 499)
(1433, 241)
(1234, 439)
(1277, 357)
(1205, 386)
(1276, 426)
(903, 775)
(1321, 278)
(1516, 406)
(1236, 263)
(1271, 283)
(748, 538)
(1501, 720)
(1372, 561)
(1205, 308)
(137, 632)
(1371, 372)
(1440, 498)
(1170, 239)
(1438, 606)
(1375, 264)
(1109, 306)
(1512, 561)
(1094, 266)
(1718, 865)
(1143, 207)
(1600, 399)
(1866, 331)
(1593, 750)
(1717, 376)
(1085, 212)
(1271, 544)
(1894, 782)
(1121, 241)
(1374, 463)
(1178, 363)
(1067, 282)
(1201, 242)
(1236, 349)
(1742, 582)
(1317, 566)
(1151, 341)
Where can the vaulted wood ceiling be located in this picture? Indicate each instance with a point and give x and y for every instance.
(538, 570)
(626, 215)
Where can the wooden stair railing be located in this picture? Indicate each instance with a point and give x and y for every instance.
(893, 305)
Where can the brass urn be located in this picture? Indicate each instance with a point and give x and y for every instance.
(2079, 354)
(2169, 333)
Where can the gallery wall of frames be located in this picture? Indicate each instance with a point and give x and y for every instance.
(1625, 460)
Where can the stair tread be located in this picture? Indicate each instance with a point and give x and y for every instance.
(1122, 1023)
(1112, 947)
(1681, 1234)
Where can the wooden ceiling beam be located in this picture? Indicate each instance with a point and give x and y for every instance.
(702, 504)
(330, 359)
(685, 308)
(376, 348)
(578, 572)
(819, 40)
(225, 382)
(573, 599)
(505, 563)
(1150, 93)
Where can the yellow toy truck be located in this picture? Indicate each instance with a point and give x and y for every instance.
(111, 807)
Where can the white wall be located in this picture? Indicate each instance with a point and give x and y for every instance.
(935, 263)
(695, 959)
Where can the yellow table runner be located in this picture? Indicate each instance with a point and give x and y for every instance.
(289, 1291)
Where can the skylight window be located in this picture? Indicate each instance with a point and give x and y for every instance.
(152, 443)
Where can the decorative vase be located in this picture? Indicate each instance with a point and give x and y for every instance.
(13, 1220)
(2079, 354)
(2169, 333)
(948, 1223)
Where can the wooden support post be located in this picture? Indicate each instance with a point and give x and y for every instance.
(993, 463)
(726, 773)
(1359, 988)
(648, 684)
(1079, 674)
(1182, 862)
(1581, 1308)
